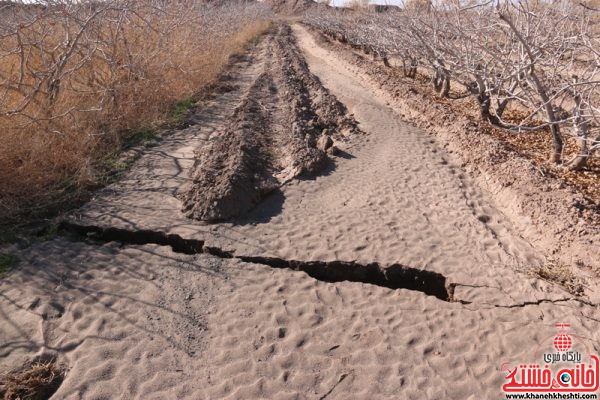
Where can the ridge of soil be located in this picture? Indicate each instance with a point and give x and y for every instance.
(548, 210)
(271, 138)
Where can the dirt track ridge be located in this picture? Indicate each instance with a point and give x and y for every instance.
(272, 137)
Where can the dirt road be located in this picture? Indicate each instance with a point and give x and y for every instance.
(221, 314)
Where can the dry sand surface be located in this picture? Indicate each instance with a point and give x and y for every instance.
(142, 320)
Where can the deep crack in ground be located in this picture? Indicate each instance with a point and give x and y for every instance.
(395, 276)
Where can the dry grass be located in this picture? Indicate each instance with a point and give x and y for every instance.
(36, 381)
(124, 74)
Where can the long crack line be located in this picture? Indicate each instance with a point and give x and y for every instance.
(395, 276)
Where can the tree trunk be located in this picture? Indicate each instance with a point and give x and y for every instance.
(413, 70)
(557, 140)
(484, 101)
(445, 91)
(581, 126)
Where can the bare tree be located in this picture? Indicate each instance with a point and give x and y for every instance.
(538, 59)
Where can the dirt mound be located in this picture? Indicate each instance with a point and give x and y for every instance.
(271, 138)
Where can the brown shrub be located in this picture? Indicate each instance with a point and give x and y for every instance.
(37, 381)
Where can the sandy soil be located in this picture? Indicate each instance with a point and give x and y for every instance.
(144, 322)
(141, 320)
